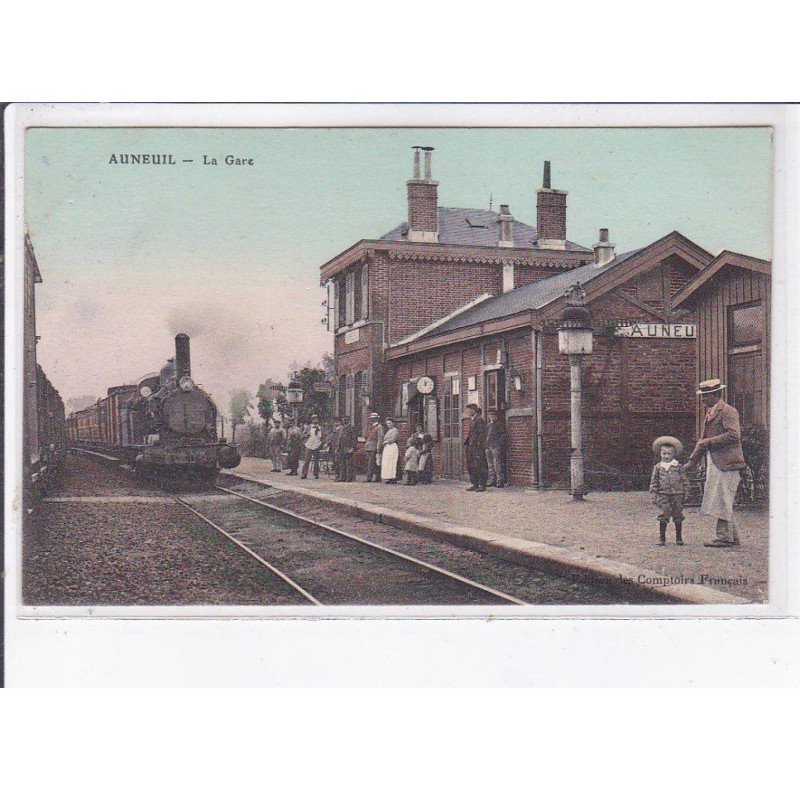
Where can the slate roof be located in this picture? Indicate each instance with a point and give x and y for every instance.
(478, 227)
(529, 297)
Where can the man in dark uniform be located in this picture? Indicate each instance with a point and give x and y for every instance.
(294, 441)
(475, 449)
(346, 445)
(373, 447)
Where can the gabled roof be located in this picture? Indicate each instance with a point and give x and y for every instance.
(529, 297)
(544, 297)
(726, 259)
(477, 227)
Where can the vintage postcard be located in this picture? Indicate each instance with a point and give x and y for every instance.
(281, 366)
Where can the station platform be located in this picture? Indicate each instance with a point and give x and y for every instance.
(611, 533)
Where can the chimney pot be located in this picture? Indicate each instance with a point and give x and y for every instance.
(416, 163)
(546, 180)
(506, 224)
(428, 151)
(603, 251)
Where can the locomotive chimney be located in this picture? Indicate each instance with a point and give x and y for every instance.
(183, 364)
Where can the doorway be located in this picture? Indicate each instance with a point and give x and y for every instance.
(452, 444)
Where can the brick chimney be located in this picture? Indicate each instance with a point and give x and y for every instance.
(603, 250)
(551, 215)
(423, 197)
(506, 228)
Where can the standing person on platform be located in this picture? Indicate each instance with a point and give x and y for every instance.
(425, 468)
(720, 443)
(313, 445)
(294, 444)
(276, 439)
(390, 453)
(475, 448)
(416, 438)
(496, 450)
(333, 448)
(346, 446)
(412, 461)
(373, 447)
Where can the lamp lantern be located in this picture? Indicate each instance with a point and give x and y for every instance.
(294, 393)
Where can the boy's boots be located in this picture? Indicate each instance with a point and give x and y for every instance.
(679, 533)
(662, 532)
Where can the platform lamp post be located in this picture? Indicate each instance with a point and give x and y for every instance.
(575, 340)
(294, 396)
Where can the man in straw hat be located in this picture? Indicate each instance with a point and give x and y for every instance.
(669, 486)
(721, 444)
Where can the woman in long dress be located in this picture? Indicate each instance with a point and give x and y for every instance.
(390, 453)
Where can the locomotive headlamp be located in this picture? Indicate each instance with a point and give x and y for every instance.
(186, 383)
(145, 391)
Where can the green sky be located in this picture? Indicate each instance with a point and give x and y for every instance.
(137, 248)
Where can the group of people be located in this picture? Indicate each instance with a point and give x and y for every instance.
(720, 447)
(486, 449)
(300, 448)
(300, 445)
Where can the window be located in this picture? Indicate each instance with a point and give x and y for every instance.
(349, 305)
(364, 292)
(495, 390)
(358, 402)
(341, 304)
(745, 329)
(341, 397)
(746, 362)
(401, 407)
(357, 287)
(348, 411)
(451, 411)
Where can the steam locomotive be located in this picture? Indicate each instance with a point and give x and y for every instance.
(165, 426)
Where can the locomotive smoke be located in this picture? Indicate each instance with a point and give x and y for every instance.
(222, 341)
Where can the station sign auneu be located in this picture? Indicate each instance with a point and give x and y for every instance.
(659, 330)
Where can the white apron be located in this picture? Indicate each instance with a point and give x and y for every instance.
(389, 462)
(720, 491)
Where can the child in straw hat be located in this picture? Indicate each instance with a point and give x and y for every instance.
(669, 486)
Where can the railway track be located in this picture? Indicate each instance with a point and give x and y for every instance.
(460, 586)
(252, 544)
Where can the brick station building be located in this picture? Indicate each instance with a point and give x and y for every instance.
(469, 298)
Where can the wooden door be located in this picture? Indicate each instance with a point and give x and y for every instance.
(452, 445)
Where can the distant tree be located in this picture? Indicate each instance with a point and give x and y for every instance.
(241, 403)
(270, 401)
(328, 367)
(314, 402)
